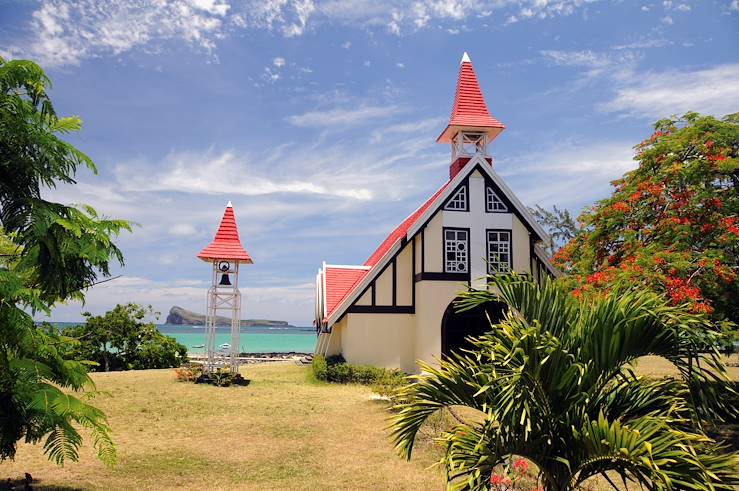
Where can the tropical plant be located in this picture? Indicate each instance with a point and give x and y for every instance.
(50, 253)
(554, 384)
(672, 224)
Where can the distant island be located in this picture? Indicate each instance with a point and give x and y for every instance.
(182, 317)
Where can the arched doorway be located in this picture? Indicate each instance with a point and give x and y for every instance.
(457, 326)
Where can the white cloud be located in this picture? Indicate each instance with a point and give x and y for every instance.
(183, 229)
(400, 65)
(64, 32)
(567, 174)
(346, 45)
(667, 19)
(341, 116)
(279, 62)
(659, 94)
(224, 173)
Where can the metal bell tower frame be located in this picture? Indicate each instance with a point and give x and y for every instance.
(225, 254)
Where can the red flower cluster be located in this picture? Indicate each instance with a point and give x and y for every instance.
(521, 466)
(730, 223)
(681, 290)
(621, 206)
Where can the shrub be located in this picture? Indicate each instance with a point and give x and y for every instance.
(320, 367)
(336, 369)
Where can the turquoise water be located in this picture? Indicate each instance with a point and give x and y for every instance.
(258, 339)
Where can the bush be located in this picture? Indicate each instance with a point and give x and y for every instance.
(336, 369)
(320, 367)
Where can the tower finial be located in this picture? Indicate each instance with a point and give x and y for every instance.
(229, 205)
(465, 58)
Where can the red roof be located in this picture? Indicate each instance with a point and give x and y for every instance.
(339, 284)
(469, 108)
(342, 281)
(226, 244)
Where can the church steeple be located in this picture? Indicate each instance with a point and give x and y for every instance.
(471, 127)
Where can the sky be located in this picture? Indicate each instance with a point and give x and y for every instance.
(318, 119)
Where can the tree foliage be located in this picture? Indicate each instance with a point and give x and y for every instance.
(50, 253)
(672, 224)
(553, 383)
(122, 339)
(559, 224)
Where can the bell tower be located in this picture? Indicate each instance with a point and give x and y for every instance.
(224, 254)
(471, 128)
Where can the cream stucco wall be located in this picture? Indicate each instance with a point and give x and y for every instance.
(404, 276)
(383, 340)
(432, 299)
(432, 245)
(365, 299)
(384, 287)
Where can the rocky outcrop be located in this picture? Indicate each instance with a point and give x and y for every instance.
(182, 317)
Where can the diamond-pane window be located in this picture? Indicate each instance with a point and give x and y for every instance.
(499, 251)
(455, 250)
(492, 202)
(458, 201)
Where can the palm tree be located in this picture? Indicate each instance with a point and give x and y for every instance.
(554, 384)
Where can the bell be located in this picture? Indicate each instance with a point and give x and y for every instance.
(225, 281)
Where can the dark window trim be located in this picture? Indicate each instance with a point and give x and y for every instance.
(443, 277)
(510, 246)
(381, 309)
(463, 184)
(443, 248)
(501, 196)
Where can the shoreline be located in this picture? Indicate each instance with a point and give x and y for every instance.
(257, 357)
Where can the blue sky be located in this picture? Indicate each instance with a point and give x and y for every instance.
(318, 119)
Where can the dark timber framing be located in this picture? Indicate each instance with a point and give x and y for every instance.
(423, 275)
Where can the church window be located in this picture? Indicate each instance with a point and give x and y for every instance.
(499, 251)
(456, 250)
(493, 203)
(458, 202)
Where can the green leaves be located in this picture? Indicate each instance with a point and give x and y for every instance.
(50, 253)
(554, 384)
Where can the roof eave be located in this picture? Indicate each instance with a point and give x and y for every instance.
(452, 129)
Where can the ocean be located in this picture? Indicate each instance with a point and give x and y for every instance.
(256, 339)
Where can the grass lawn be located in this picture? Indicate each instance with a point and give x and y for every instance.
(281, 432)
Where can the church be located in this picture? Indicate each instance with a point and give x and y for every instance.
(397, 307)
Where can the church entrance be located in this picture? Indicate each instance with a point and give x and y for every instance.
(456, 326)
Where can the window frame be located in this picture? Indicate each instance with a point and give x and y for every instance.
(489, 188)
(487, 249)
(444, 230)
(454, 195)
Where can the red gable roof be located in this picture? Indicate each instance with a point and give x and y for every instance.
(402, 229)
(226, 244)
(342, 281)
(469, 108)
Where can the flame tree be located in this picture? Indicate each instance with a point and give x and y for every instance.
(672, 224)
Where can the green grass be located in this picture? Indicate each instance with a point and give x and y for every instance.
(284, 431)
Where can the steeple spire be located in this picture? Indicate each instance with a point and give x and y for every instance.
(226, 244)
(470, 111)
